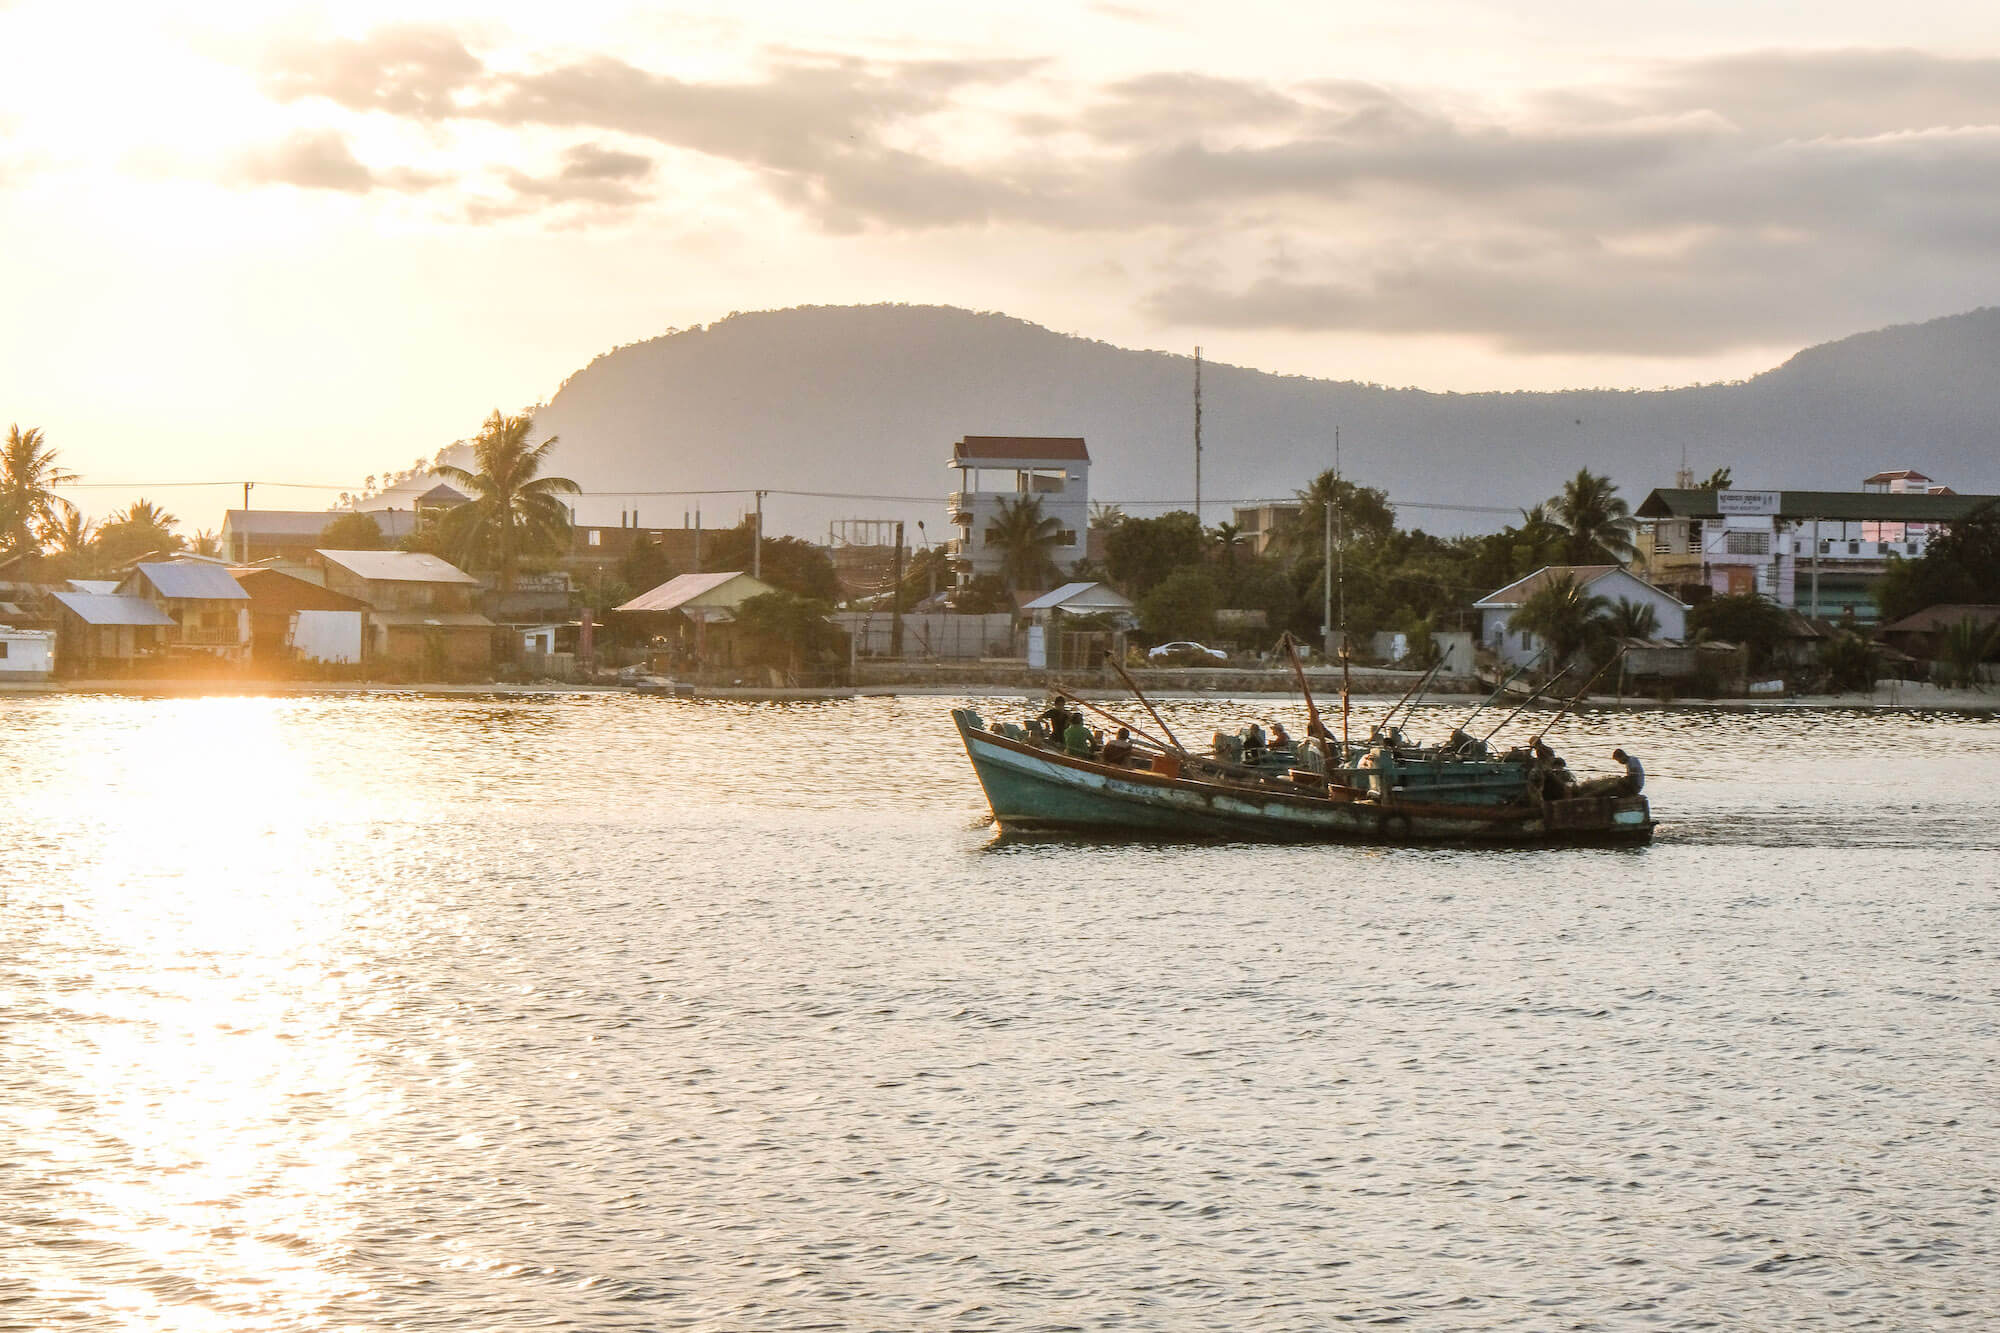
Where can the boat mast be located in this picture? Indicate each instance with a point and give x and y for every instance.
(1340, 519)
(1197, 437)
(1140, 695)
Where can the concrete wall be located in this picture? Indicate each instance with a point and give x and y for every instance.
(327, 636)
(931, 635)
(31, 654)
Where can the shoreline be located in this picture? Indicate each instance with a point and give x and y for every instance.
(1903, 698)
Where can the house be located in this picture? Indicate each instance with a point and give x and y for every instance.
(209, 609)
(251, 535)
(97, 629)
(293, 617)
(1922, 635)
(26, 654)
(1259, 525)
(1612, 582)
(422, 611)
(1078, 648)
(1820, 551)
(695, 614)
(997, 470)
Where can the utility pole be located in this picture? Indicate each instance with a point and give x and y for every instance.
(757, 550)
(244, 554)
(697, 539)
(896, 600)
(1197, 437)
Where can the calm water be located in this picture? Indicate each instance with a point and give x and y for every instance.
(609, 1013)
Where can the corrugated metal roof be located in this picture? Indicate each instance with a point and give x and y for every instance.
(398, 567)
(1069, 592)
(101, 587)
(197, 582)
(1520, 590)
(1039, 448)
(96, 608)
(1835, 506)
(676, 592)
(440, 619)
(306, 524)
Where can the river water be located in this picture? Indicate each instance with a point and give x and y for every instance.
(598, 1012)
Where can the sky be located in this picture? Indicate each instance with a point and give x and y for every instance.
(305, 243)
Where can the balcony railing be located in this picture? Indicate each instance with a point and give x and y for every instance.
(226, 637)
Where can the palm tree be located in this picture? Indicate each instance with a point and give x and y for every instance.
(1632, 620)
(1025, 536)
(1566, 616)
(140, 529)
(512, 510)
(1228, 536)
(72, 546)
(1967, 644)
(206, 542)
(1104, 517)
(1599, 522)
(1719, 480)
(30, 509)
(1536, 542)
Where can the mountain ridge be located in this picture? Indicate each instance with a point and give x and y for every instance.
(867, 400)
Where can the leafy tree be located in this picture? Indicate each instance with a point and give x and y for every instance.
(206, 542)
(1566, 616)
(981, 595)
(1961, 564)
(644, 567)
(1719, 480)
(1181, 606)
(798, 626)
(140, 529)
(1361, 514)
(1849, 662)
(1743, 618)
(30, 509)
(352, 531)
(1025, 537)
(789, 563)
(1142, 552)
(1632, 620)
(511, 510)
(1966, 645)
(1228, 540)
(1599, 522)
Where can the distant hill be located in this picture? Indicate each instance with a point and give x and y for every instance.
(868, 399)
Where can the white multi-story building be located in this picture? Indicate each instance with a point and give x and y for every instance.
(1819, 551)
(1006, 469)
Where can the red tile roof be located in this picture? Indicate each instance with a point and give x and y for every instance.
(1050, 448)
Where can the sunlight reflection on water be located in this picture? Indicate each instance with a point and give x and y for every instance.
(601, 1012)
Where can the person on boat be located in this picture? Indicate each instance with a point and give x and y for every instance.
(1118, 750)
(1077, 738)
(1057, 717)
(1558, 783)
(1634, 780)
(1464, 746)
(1254, 739)
(1279, 739)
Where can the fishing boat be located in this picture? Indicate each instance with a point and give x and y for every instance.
(1385, 789)
(1412, 797)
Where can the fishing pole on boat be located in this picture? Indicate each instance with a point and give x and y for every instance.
(1140, 695)
(1500, 689)
(1421, 682)
(1571, 701)
(1112, 717)
(1540, 690)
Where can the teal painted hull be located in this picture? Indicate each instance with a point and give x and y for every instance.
(1029, 787)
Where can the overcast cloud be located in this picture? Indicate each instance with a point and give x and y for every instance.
(1703, 204)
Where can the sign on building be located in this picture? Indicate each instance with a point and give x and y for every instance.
(1746, 502)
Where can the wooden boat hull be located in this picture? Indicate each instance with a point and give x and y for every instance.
(1030, 787)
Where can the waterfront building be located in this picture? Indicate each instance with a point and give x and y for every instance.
(422, 611)
(96, 628)
(695, 616)
(1079, 649)
(996, 470)
(26, 654)
(1614, 583)
(1821, 552)
(291, 617)
(208, 609)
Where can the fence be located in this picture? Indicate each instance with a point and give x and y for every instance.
(930, 636)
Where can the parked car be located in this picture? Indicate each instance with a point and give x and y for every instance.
(1186, 651)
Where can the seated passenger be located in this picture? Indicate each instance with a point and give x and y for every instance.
(1118, 750)
(1077, 739)
(1253, 739)
(1279, 740)
(1634, 781)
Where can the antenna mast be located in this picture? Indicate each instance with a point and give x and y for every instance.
(1197, 437)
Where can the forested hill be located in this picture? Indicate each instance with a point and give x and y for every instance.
(868, 399)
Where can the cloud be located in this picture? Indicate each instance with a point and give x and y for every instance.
(1691, 205)
(321, 160)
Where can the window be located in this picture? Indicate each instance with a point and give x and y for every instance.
(1854, 548)
(1527, 640)
(3, 650)
(1068, 536)
(1748, 543)
(596, 537)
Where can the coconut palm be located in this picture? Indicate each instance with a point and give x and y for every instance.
(1599, 522)
(1966, 645)
(1025, 536)
(512, 510)
(1229, 537)
(1632, 620)
(30, 509)
(140, 529)
(1719, 480)
(1566, 616)
(1104, 517)
(206, 542)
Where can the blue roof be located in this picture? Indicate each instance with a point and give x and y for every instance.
(209, 583)
(96, 608)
